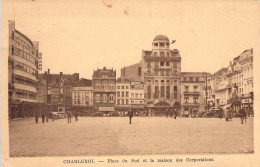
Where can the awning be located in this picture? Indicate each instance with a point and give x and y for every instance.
(106, 109)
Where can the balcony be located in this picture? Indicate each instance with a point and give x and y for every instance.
(191, 93)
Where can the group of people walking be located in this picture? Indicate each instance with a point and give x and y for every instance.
(45, 117)
(229, 114)
(69, 116)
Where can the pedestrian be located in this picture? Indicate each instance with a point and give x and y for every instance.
(52, 116)
(69, 117)
(242, 115)
(36, 117)
(130, 115)
(43, 117)
(47, 116)
(76, 116)
(226, 114)
(175, 113)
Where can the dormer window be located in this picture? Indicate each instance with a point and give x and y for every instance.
(156, 44)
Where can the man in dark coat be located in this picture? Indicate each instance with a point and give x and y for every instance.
(242, 113)
(76, 116)
(130, 114)
(175, 113)
(69, 117)
(43, 117)
(36, 117)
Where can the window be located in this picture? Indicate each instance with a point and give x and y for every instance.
(149, 92)
(111, 98)
(168, 54)
(156, 73)
(98, 97)
(167, 63)
(104, 97)
(162, 73)
(139, 71)
(127, 101)
(141, 102)
(175, 92)
(195, 98)
(148, 64)
(156, 81)
(162, 81)
(118, 94)
(162, 54)
(167, 73)
(162, 91)
(136, 95)
(132, 95)
(190, 78)
(127, 87)
(195, 88)
(175, 72)
(168, 92)
(156, 44)
(118, 101)
(184, 79)
(118, 87)
(156, 64)
(12, 49)
(162, 63)
(197, 79)
(126, 94)
(149, 73)
(186, 88)
(122, 101)
(186, 99)
(156, 92)
(122, 87)
(123, 94)
(161, 44)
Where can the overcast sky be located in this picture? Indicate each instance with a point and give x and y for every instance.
(77, 36)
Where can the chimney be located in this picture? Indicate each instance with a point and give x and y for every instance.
(48, 71)
(61, 73)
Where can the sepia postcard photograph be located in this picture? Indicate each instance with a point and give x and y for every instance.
(129, 83)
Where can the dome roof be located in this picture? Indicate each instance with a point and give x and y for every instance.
(161, 37)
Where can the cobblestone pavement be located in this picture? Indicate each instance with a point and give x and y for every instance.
(115, 136)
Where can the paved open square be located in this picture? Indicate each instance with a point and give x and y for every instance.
(96, 136)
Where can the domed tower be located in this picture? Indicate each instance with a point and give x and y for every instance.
(161, 71)
(161, 42)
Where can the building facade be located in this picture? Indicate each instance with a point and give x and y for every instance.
(233, 85)
(22, 71)
(137, 96)
(247, 98)
(82, 96)
(123, 95)
(104, 89)
(193, 92)
(162, 74)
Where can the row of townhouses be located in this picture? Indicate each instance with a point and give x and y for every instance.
(156, 83)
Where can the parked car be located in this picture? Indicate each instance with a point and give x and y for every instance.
(113, 114)
(59, 115)
(97, 114)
